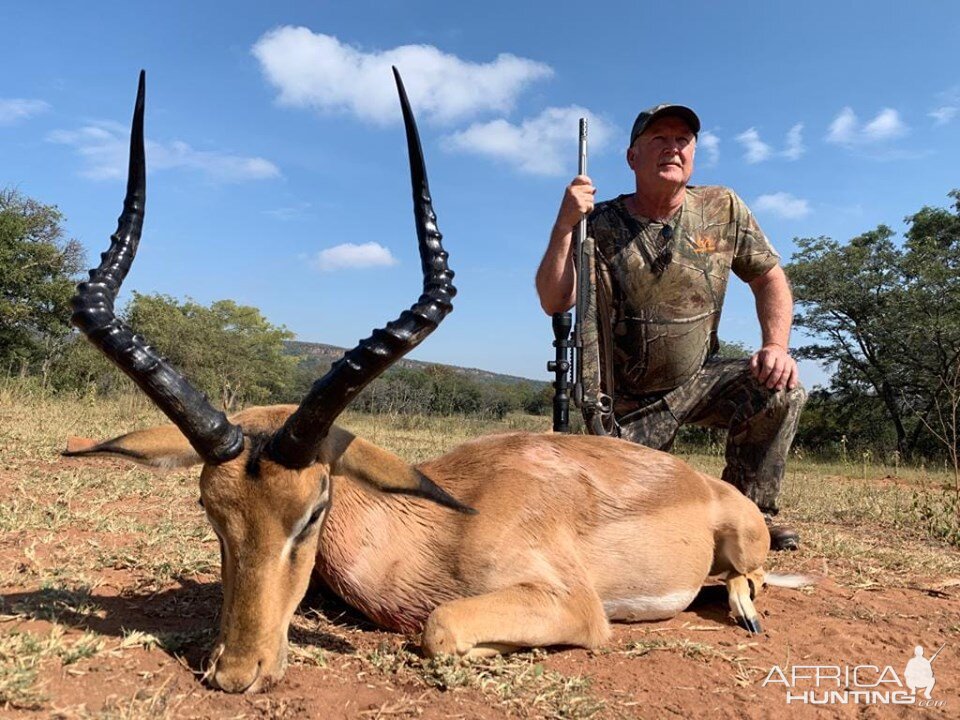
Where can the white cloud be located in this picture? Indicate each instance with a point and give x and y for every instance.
(846, 128)
(542, 145)
(886, 125)
(843, 129)
(14, 109)
(350, 256)
(795, 148)
(319, 71)
(104, 147)
(948, 103)
(783, 204)
(943, 115)
(709, 143)
(755, 149)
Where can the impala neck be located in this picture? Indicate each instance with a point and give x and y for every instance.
(384, 554)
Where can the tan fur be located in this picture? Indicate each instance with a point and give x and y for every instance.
(570, 530)
(79, 444)
(160, 447)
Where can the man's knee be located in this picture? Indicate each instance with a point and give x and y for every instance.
(768, 416)
(797, 397)
(787, 403)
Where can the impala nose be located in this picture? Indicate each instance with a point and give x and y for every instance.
(237, 675)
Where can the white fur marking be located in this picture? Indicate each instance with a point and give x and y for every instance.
(643, 607)
(298, 527)
(287, 547)
(789, 580)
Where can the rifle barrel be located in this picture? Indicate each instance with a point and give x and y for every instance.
(576, 367)
(582, 170)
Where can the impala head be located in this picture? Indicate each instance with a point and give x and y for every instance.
(265, 482)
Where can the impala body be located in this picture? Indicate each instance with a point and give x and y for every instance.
(508, 541)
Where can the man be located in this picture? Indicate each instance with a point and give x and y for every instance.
(664, 254)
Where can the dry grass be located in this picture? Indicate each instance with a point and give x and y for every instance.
(518, 683)
(21, 654)
(866, 522)
(66, 530)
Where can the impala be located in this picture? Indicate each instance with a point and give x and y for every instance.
(506, 542)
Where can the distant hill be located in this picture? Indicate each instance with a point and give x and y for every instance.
(322, 356)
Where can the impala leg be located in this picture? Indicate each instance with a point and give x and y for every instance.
(741, 589)
(757, 582)
(742, 546)
(515, 617)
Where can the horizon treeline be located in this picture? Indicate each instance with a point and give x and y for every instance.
(884, 313)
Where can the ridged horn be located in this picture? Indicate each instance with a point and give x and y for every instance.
(297, 443)
(207, 429)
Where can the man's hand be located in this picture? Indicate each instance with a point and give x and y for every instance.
(773, 367)
(577, 202)
(557, 276)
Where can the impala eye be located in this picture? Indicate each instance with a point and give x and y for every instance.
(312, 520)
(316, 514)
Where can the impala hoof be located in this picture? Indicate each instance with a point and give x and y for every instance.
(751, 625)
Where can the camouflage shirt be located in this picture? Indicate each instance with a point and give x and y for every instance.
(665, 324)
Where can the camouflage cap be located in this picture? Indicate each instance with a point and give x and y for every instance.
(664, 110)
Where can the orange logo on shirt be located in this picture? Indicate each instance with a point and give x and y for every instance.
(704, 244)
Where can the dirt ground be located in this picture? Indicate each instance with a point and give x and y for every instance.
(109, 593)
(693, 665)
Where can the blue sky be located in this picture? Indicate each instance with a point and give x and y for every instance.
(277, 163)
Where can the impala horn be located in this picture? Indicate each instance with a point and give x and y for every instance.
(297, 443)
(207, 429)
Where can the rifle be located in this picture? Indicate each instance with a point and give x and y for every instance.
(563, 366)
(937, 653)
(582, 373)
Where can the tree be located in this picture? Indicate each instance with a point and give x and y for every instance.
(451, 393)
(840, 420)
(733, 350)
(538, 399)
(37, 278)
(399, 390)
(887, 316)
(82, 368)
(230, 351)
(932, 270)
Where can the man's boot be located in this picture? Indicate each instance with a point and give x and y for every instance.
(782, 537)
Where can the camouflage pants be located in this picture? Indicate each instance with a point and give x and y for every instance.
(760, 424)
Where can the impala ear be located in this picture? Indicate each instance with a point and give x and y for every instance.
(162, 447)
(380, 469)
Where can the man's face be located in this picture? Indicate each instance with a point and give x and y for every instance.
(663, 154)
